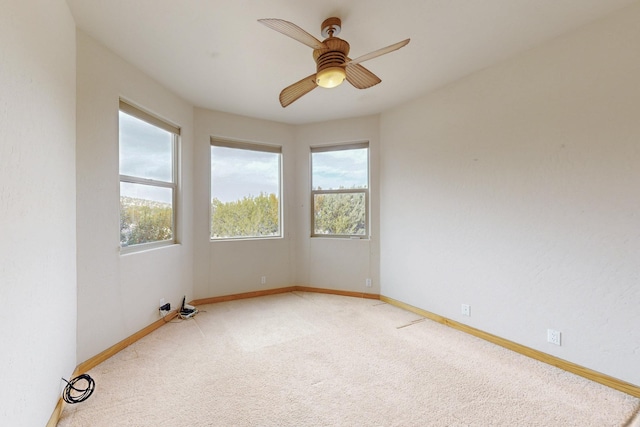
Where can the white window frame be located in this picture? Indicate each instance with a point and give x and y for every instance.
(365, 191)
(140, 114)
(251, 146)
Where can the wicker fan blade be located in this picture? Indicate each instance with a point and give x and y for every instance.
(292, 30)
(379, 52)
(360, 77)
(295, 91)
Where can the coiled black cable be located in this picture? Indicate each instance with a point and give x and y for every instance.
(73, 394)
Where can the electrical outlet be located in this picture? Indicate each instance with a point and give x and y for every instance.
(165, 307)
(466, 310)
(554, 337)
(367, 283)
(263, 280)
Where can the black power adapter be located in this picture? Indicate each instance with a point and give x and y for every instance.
(166, 307)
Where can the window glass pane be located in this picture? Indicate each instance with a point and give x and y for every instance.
(146, 214)
(146, 151)
(340, 213)
(332, 170)
(245, 193)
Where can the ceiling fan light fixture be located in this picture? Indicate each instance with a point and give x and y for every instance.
(330, 77)
(331, 58)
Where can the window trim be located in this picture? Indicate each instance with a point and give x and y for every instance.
(250, 146)
(156, 121)
(153, 120)
(366, 191)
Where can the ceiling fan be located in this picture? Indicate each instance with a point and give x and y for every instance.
(333, 65)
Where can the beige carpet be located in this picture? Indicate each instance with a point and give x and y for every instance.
(307, 359)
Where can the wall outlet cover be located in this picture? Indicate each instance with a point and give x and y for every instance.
(554, 337)
(466, 310)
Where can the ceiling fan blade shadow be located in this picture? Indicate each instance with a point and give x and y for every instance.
(292, 30)
(297, 90)
(360, 77)
(379, 52)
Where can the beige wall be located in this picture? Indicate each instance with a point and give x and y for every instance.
(236, 266)
(515, 190)
(120, 294)
(231, 267)
(37, 208)
(342, 264)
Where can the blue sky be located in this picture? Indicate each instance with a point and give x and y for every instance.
(145, 151)
(241, 173)
(344, 168)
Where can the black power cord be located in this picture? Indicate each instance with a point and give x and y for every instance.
(73, 394)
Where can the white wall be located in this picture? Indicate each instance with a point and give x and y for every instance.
(37, 208)
(342, 264)
(231, 267)
(120, 294)
(515, 190)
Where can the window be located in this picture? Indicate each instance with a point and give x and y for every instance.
(148, 152)
(245, 190)
(340, 191)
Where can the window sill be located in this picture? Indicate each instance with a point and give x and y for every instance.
(146, 247)
(245, 239)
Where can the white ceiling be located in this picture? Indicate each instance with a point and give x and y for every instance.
(216, 55)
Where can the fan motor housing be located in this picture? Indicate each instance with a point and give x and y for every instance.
(335, 55)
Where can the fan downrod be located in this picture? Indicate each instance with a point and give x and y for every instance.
(331, 27)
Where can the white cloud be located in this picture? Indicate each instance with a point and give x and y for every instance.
(241, 173)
